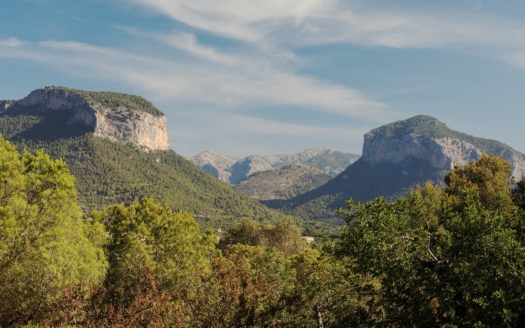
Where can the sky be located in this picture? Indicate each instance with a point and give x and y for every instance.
(279, 76)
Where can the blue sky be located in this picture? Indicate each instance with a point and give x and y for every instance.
(277, 76)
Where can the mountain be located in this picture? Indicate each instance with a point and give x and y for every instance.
(117, 147)
(233, 170)
(284, 183)
(395, 158)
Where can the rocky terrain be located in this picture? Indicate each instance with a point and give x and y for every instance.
(284, 183)
(234, 170)
(121, 122)
(395, 158)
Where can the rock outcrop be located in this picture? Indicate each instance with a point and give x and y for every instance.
(121, 124)
(438, 151)
(234, 170)
(5, 104)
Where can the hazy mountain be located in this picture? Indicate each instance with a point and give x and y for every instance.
(284, 183)
(395, 158)
(234, 170)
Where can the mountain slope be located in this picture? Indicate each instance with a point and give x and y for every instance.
(109, 172)
(395, 158)
(234, 170)
(284, 183)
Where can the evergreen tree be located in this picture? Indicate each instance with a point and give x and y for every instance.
(45, 246)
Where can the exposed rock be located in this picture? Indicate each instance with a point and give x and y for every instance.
(216, 164)
(440, 153)
(5, 104)
(234, 170)
(147, 131)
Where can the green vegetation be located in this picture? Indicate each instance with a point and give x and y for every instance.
(115, 100)
(360, 182)
(45, 247)
(451, 256)
(284, 183)
(112, 173)
(284, 235)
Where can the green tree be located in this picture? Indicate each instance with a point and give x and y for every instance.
(327, 292)
(450, 260)
(490, 176)
(284, 235)
(149, 236)
(45, 246)
(247, 287)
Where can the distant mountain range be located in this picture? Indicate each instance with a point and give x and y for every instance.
(234, 170)
(395, 158)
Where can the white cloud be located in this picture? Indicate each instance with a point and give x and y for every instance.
(517, 59)
(241, 82)
(11, 42)
(328, 21)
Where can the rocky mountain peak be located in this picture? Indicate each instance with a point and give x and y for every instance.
(425, 138)
(234, 170)
(115, 116)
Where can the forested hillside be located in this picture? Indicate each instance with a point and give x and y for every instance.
(110, 173)
(284, 183)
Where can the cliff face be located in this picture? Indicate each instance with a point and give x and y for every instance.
(439, 152)
(121, 124)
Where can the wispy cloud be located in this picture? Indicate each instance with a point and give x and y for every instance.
(328, 21)
(11, 42)
(240, 82)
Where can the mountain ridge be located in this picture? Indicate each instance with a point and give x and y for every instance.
(234, 170)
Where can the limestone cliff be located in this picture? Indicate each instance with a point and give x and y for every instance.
(425, 138)
(121, 120)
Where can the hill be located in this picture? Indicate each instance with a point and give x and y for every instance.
(396, 157)
(284, 183)
(110, 171)
(234, 170)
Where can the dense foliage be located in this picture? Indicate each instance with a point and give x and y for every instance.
(45, 247)
(444, 256)
(452, 256)
(115, 100)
